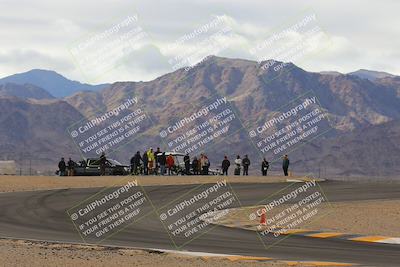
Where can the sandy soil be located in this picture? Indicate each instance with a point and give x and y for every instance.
(38, 254)
(10, 183)
(379, 217)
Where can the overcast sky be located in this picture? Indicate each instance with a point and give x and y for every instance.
(62, 35)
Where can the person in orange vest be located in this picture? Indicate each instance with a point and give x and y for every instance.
(170, 163)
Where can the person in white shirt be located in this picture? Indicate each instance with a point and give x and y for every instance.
(238, 162)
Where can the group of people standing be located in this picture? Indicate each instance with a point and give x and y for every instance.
(239, 163)
(245, 163)
(199, 166)
(66, 169)
(158, 163)
(151, 162)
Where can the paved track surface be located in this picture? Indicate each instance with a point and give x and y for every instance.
(42, 215)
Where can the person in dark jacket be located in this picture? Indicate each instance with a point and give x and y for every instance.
(225, 165)
(70, 167)
(132, 161)
(285, 165)
(264, 167)
(246, 164)
(135, 162)
(162, 160)
(102, 161)
(62, 167)
(195, 166)
(156, 163)
(145, 160)
(186, 160)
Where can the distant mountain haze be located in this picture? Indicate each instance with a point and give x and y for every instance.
(24, 91)
(370, 74)
(54, 83)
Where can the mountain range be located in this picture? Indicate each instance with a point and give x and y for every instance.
(54, 83)
(364, 108)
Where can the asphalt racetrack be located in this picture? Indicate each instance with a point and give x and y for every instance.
(42, 215)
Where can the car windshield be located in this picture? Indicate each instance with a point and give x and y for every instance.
(114, 162)
(95, 162)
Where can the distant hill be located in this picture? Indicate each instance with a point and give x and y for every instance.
(365, 115)
(34, 130)
(335, 73)
(370, 74)
(54, 83)
(368, 151)
(24, 91)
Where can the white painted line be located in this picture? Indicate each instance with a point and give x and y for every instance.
(292, 180)
(392, 240)
(198, 254)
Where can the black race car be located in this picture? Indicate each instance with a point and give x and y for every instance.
(91, 167)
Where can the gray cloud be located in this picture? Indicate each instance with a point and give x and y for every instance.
(37, 34)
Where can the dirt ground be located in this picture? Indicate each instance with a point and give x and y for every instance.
(378, 217)
(38, 254)
(10, 183)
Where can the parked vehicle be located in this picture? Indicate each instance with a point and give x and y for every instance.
(91, 167)
(179, 168)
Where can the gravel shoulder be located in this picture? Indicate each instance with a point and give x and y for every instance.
(38, 254)
(9, 183)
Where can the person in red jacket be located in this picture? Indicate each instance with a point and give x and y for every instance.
(170, 163)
